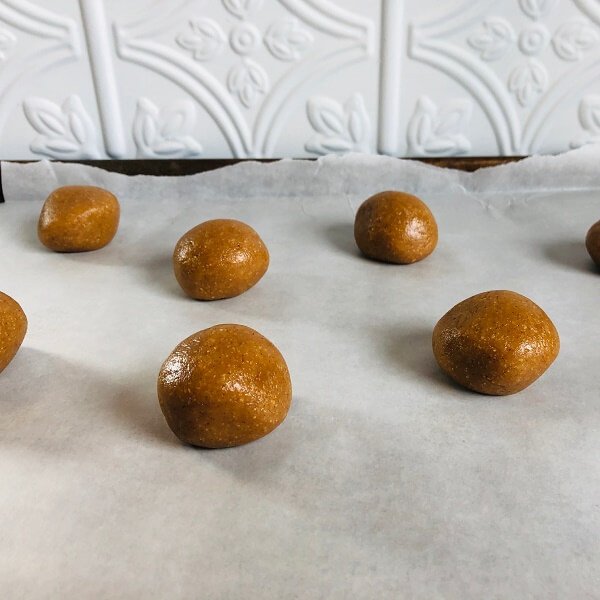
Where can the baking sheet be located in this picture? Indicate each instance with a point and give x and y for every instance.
(386, 480)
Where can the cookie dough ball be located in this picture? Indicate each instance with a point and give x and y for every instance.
(13, 327)
(219, 259)
(592, 243)
(395, 227)
(78, 218)
(224, 386)
(495, 343)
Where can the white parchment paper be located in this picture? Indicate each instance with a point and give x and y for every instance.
(386, 480)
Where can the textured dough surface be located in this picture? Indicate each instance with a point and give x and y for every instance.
(224, 386)
(395, 227)
(219, 259)
(79, 218)
(592, 243)
(496, 343)
(13, 327)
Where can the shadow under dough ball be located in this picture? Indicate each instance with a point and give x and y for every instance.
(78, 218)
(395, 227)
(223, 387)
(592, 243)
(219, 259)
(495, 343)
(13, 327)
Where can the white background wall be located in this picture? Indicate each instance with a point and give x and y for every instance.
(262, 78)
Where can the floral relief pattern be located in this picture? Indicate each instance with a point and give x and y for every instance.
(224, 56)
(494, 39)
(440, 131)
(205, 41)
(287, 40)
(65, 131)
(340, 128)
(165, 133)
(589, 117)
(250, 65)
(574, 39)
(525, 69)
(248, 81)
(528, 81)
(7, 41)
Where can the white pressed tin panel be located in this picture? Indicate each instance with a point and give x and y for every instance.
(243, 76)
(270, 78)
(496, 77)
(187, 78)
(42, 64)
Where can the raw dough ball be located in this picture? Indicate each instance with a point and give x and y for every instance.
(592, 242)
(13, 327)
(496, 343)
(219, 259)
(395, 227)
(224, 386)
(78, 218)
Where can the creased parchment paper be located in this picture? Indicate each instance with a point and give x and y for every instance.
(386, 481)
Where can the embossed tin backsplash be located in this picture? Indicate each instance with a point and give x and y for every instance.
(273, 78)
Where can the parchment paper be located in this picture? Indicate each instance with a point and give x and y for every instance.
(386, 480)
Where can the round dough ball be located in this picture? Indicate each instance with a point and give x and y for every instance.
(78, 218)
(13, 327)
(395, 227)
(592, 243)
(495, 343)
(224, 386)
(219, 259)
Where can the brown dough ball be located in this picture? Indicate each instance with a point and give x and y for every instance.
(592, 243)
(219, 259)
(78, 218)
(495, 343)
(224, 386)
(395, 227)
(13, 327)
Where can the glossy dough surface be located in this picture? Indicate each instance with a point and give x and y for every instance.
(78, 219)
(395, 227)
(13, 327)
(224, 386)
(496, 343)
(219, 259)
(592, 243)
